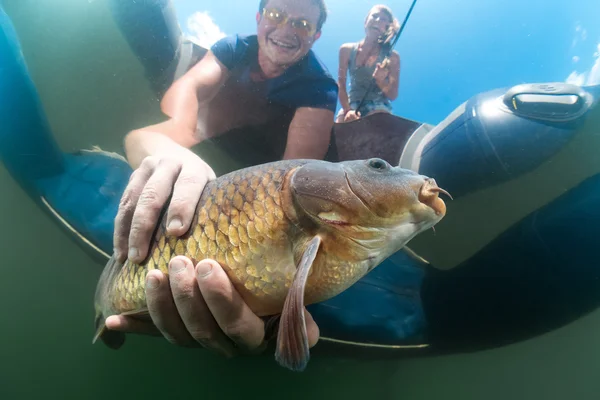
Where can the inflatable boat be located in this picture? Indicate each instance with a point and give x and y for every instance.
(515, 258)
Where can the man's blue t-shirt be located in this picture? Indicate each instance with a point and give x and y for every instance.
(305, 84)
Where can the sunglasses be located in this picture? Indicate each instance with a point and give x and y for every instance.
(279, 18)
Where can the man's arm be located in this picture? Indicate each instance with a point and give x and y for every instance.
(181, 103)
(309, 133)
(194, 304)
(194, 89)
(163, 162)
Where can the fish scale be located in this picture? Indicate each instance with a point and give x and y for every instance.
(238, 222)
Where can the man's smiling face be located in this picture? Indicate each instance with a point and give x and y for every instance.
(287, 30)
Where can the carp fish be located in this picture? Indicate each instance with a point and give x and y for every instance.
(288, 234)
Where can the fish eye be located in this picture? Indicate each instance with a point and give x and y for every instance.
(378, 163)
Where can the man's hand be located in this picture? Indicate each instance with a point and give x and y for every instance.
(199, 306)
(147, 192)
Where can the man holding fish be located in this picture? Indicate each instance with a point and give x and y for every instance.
(197, 304)
(326, 225)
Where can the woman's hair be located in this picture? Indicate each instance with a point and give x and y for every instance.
(386, 39)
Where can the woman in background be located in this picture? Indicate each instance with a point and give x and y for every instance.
(365, 61)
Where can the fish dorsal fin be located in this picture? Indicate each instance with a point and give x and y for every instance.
(292, 339)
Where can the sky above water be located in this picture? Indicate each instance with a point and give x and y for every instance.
(450, 50)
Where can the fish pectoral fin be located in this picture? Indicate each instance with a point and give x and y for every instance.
(292, 339)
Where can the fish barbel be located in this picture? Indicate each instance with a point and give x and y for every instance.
(288, 234)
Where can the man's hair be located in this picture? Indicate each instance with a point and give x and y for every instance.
(319, 3)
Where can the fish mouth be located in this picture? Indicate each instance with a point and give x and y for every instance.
(429, 195)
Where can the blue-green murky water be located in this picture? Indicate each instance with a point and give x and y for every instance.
(93, 92)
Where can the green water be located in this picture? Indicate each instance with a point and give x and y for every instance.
(46, 314)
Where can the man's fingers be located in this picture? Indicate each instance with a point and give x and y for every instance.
(131, 325)
(151, 201)
(127, 206)
(230, 311)
(146, 194)
(193, 310)
(163, 310)
(186, 193)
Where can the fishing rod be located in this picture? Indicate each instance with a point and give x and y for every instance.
(389, 51)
